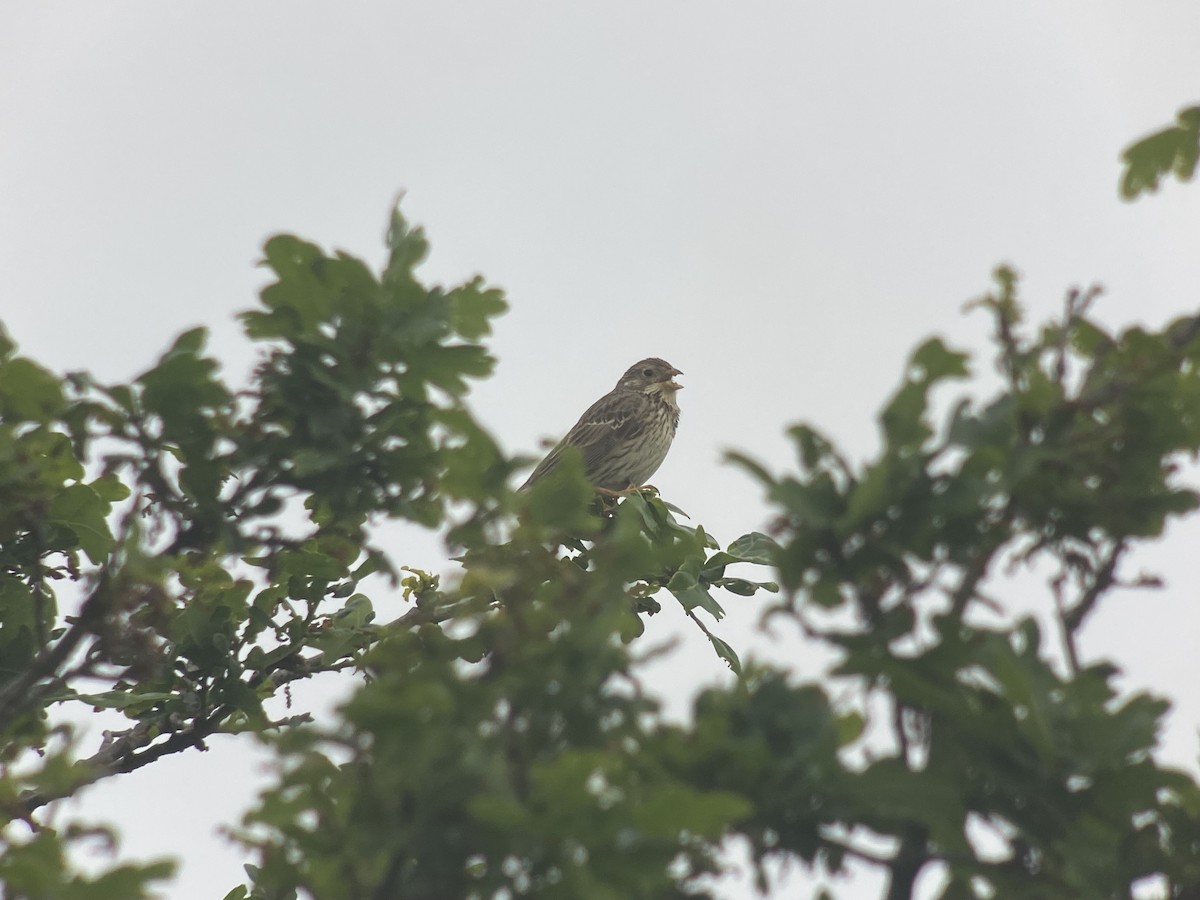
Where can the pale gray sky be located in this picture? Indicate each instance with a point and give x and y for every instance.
(779, 198)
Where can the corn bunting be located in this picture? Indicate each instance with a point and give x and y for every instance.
(625, 435)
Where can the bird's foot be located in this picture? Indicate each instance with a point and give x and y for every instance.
(632, 489)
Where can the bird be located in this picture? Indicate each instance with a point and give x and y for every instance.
(625, 435)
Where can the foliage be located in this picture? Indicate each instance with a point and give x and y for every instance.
(1174, 150)
(1068, 466)
(179, 551)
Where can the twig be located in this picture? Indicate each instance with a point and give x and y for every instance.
(850, 850)
(1104, 579)
(1072, 619)
(901, 732)
(422, 615)
(699, 624)
(968, 585)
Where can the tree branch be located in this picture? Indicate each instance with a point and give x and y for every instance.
(848, 849)
(1072, 618)
(119, 759)
(118, 754)
(1104, 579)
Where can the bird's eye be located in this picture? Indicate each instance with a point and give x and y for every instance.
(649, 373)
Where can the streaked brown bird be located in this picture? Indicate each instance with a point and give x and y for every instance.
(625, 435)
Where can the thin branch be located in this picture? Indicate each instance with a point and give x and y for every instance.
(118, 756)
(1104, 579)
(1075, 308)
(1060, 606)
(119, 753)
(1072, 618)
(866, 856)
(901, 732)
(968, 585)
(692, 615)
(712, 639)
(298, 671)
(423, 615)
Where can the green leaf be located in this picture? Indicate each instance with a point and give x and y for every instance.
(311, 564)
(745, 587)
(190, 342)
(726, 652)
(686, 587)
(751, 466)
(183, 390)
(895, 794)
(754, 547)
(7, 345)
(827, 594)
(870, 497)
(84, 512)
(110, 488)
(673, 807)
(818, 502)
(29, 393)
(850, 727)
(737, 586)
(473, 306)
(815, 449)
(242, 697)
(408, 248)
(356, 612)
(1173, 151)
(903, 419)
(308, 461)
(563, 498)
(19, 626)
(935, 361)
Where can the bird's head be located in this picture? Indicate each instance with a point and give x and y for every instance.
(651, 376)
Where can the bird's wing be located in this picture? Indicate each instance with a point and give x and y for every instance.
(611, 419)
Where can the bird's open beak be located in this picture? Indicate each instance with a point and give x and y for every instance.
(673, 384)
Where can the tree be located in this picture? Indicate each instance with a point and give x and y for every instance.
(182, 551)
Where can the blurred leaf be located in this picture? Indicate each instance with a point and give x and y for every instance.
(28, 392)
(473, 306)
(935, 361)
(81, 509)
(110, 488)
(1174, 150)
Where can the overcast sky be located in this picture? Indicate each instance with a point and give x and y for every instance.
(781, 199)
